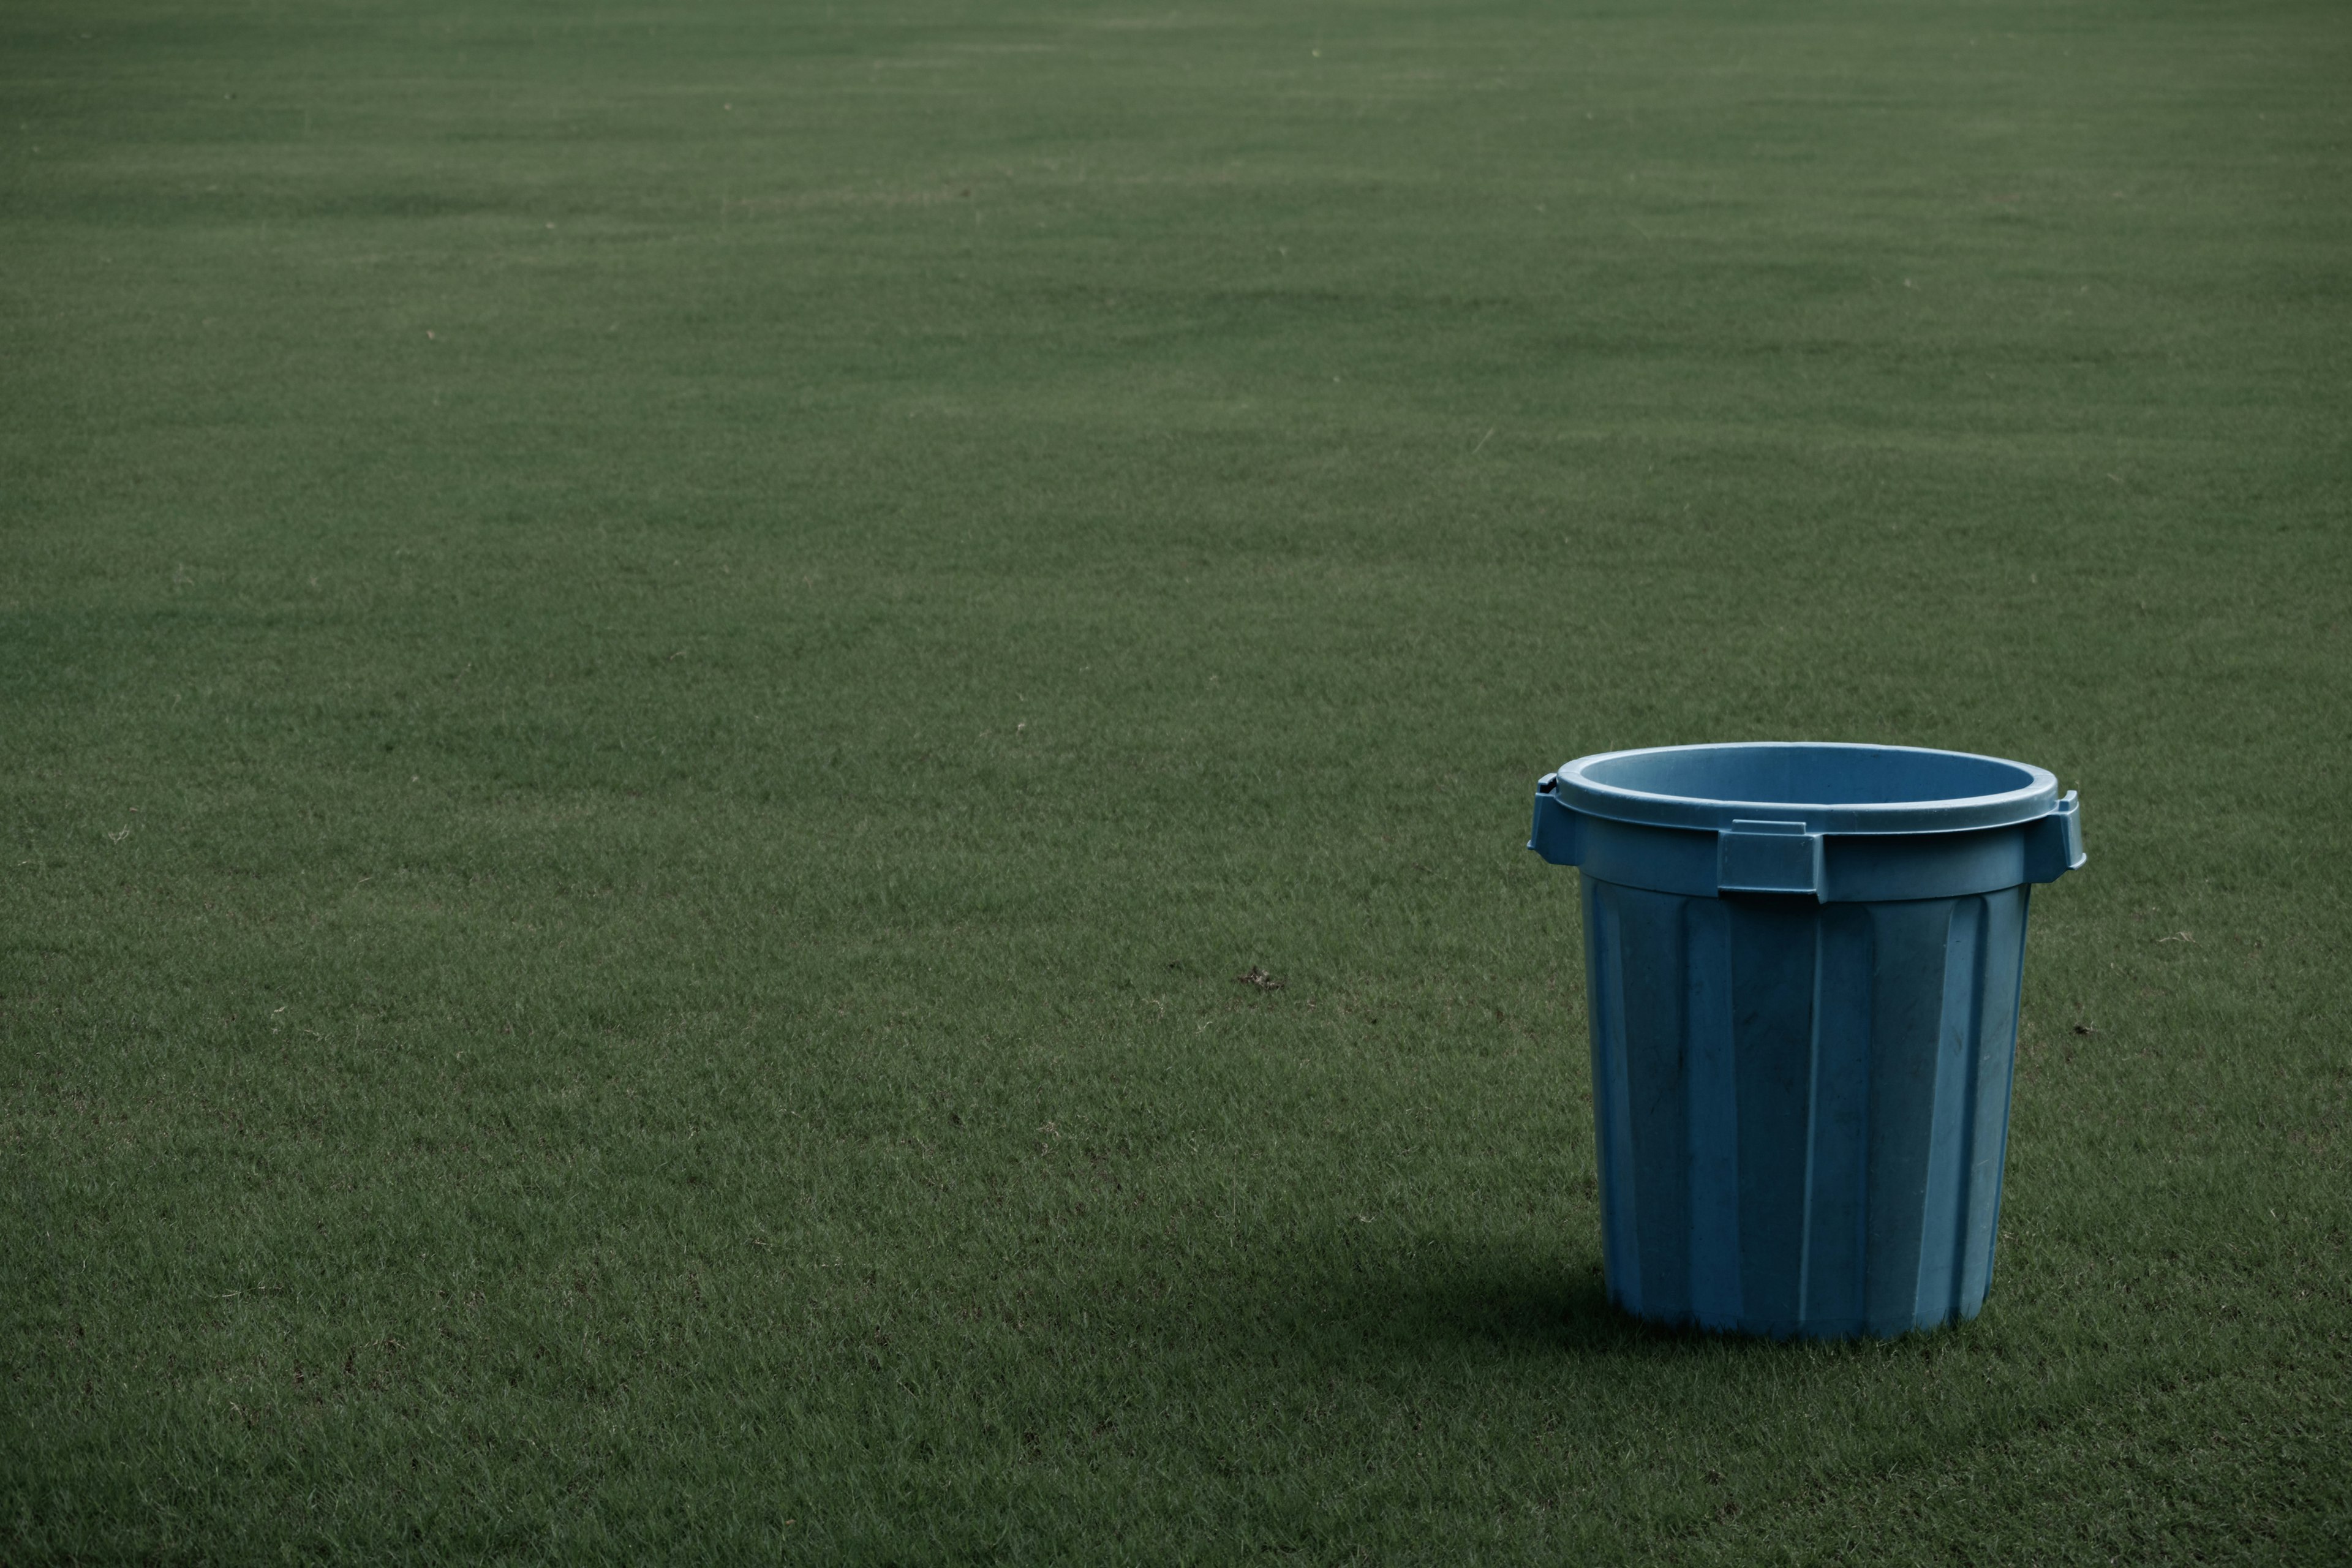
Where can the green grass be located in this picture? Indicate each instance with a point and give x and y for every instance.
(659, 663)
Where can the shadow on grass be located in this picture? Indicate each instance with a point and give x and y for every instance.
(1437, 1300)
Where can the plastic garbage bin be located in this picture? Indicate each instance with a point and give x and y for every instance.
(1802, 966)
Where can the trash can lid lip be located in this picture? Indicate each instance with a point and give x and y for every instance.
(1831, 786)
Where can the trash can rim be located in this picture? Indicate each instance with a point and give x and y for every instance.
(2029, 792)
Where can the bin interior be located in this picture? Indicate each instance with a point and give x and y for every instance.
(1820, 775)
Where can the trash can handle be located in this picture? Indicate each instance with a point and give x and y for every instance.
(2053, 843)
(1554, 834)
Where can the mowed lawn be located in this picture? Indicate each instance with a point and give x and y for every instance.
(661, 662)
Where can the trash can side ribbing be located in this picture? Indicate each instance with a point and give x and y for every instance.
(1802, 968)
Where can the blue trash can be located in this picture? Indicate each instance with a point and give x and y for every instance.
(1802, 966)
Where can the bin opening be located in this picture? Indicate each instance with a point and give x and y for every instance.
(1831, 786)
(1803, 775)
